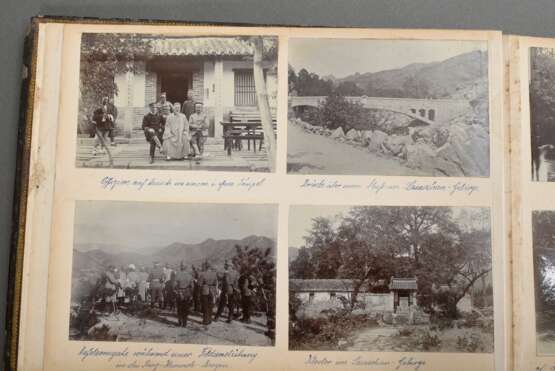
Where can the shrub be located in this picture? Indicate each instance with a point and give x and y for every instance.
(336, 111)
(470, 344)
(428, 340)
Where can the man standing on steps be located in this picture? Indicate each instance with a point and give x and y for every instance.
(229, 284)
(164, 107)
(184, 291)
(153, 127)
(188, 107)
(208, 284)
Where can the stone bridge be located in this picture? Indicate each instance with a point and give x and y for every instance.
(425, 110)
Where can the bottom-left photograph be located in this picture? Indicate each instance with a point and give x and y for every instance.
(188, 273)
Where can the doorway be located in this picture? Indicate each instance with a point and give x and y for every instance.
(176, 86)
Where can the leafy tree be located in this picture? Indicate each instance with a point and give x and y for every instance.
(544, 257)
(302, 267)
(102, 57)
(336, 111)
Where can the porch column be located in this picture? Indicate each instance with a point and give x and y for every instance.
(129, 111)
(218, 97)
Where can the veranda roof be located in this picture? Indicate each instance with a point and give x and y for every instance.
(403, 284)
(201, 46)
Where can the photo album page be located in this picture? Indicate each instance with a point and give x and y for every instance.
(205, 197)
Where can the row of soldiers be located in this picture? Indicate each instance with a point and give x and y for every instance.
(188, 289)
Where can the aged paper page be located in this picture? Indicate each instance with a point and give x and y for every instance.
(532, 199)
(411, 271)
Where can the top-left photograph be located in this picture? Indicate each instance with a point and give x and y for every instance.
(177, 103)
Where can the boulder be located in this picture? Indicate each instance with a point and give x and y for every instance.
(353, 134)
(436, 134)
(467, 149)
(366, 137)
(396, 144)
(338, 133)
(377, 140)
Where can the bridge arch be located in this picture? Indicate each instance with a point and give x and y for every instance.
(427, 111)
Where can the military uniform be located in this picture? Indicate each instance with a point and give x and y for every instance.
(247, 283)
(229, 284)
(198, 127)
(184, 289)
(188, 108)
(208, 287)
(156, 280)
(153, 126)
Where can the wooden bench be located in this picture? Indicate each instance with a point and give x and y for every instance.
(244, 124)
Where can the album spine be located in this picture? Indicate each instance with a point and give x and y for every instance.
(11, 330)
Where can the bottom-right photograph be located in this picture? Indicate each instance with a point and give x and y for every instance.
(390, 279)
(543, 225)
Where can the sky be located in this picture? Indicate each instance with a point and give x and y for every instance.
(300, 219)
(343, 57)
(136, 225)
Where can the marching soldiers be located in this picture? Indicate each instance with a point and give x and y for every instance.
(208, 284)
(196, 290)
(184, 290)
(228, 278)
(153, 127)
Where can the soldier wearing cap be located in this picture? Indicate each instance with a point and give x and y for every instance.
(156, 280)
(153, 127)
(228, 278)
(184, 291)
(208, 285)
(164, 107)
(188, 106)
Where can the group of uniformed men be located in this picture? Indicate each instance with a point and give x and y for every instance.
(154, 123)
(186, 289)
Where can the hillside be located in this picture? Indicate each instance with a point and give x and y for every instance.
(441, 79)
(216, 251)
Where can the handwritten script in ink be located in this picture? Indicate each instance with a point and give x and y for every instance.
(380, 186)
(367, 362)
(247, 183)
(164, 359)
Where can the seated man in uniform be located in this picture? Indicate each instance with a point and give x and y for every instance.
(153, 127)
(198, 128)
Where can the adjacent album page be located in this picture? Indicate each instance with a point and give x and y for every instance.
(532, 110)
(278, 198)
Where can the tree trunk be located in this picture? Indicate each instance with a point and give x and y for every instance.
(263, 103)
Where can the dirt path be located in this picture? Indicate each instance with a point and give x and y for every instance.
(309, 153)
(375, 339)
(165, 330)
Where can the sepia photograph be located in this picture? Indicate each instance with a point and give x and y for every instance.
(390, 279)
(174, 273)
(182, 103)
(388, 107)
(542, 113)
(543, 223)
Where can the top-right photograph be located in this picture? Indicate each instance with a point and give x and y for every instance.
(542, 113)
(388, 107)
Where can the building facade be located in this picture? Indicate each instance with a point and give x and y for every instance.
(217, 70)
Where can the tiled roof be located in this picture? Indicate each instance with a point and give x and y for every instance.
(403, 284)
(321, 285)
(201, 46)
